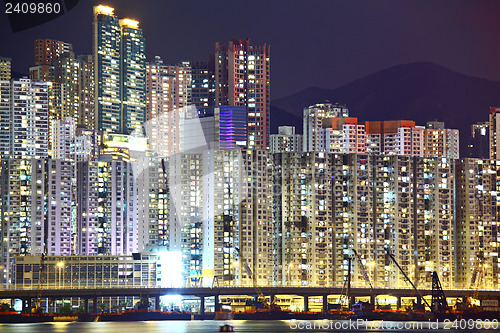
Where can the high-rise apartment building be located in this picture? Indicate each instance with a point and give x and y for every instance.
(286, 140)
(24, 119)
(203, 83)
(222, 127)
(441, 141)
(59, 203)
(168, 95)
(477, 223)
(313, 122)
(87, 208)
(47, 51)
(86, 144)
(107, 70)
(494, 125)
(479, 141)
(119, 71)
(395, 137)
(342, 135)
(220, 200)
(70, 80)
(242, 78)
(86, 114)
(107, 218)
(328, 205)
(22, 210)
(63, 139)
(133, 76)
(152, 202)
(66, 74)
(5, 69)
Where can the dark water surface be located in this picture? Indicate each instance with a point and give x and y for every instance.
(248, 326)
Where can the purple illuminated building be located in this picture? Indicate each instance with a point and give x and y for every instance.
(232, 126)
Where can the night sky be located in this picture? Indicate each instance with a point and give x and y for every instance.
(313, 43)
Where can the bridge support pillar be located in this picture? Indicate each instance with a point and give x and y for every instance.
(398, 304)
(217, 303)
(86, 305)
(271, 298)
(29, 305)
(202, 305)
(23, 302)
(325, 303)
(157, 302)
(306, 303)
(94, 304)
(372, 299)
(352, 300)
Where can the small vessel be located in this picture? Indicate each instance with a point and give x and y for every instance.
(226, 328)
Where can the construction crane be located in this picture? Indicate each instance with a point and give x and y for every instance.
(347, 285)
(439, 303)
(475, 281)
(408, 279)
(365, 274)
(261, 298)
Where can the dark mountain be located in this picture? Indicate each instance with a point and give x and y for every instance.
(418, 91)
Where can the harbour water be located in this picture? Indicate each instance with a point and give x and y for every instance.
(283, 326)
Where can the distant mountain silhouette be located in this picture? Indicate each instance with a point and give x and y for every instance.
(419, 91)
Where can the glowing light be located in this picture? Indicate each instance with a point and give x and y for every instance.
(171, 268)
(129, 23)
(104, 10)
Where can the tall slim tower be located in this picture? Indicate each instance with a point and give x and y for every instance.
(242, 79)
(120, 72)
(494, 130)
(107, 69)
(133, 76)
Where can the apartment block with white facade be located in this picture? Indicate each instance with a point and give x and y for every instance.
(22, 209)
(342, 136)
(313, 121)
(24, 119)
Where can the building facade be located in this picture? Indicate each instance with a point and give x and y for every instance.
(395, 137)
(242, 78)
(441, 142)
(477, 223)
(331, 204)
(313, 121)
(203, 83)
(286, 140)
(5, 69)
(119, 70)
(24, 119)
(168, 90)
(81, 271)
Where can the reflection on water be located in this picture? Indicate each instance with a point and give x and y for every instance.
(239, 326)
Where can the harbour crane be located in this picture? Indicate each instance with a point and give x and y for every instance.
(261, 298)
